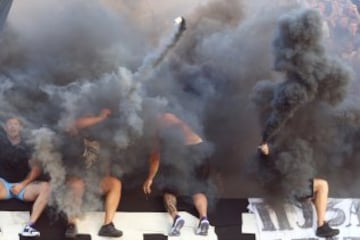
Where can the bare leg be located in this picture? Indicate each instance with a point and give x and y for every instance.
(3, 191)
(38, 193)
(74, 196)
(321, 191)
(111, 187)
(170, 204)
(201, 204)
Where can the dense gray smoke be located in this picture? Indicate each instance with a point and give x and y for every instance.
(75, 58)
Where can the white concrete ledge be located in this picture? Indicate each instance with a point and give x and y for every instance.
(135, 224)
(11, 223)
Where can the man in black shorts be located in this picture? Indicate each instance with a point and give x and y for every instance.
(319, 191)
(181, 171)
(85, 166)
(18, 173)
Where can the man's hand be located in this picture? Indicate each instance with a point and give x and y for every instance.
(147, 186)
(105, 112)
(264, 148)
(16, 188)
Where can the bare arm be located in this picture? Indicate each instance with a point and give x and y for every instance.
(89, 121)
(171, 119)
(154, 162)
(33, 174)
(153, 169)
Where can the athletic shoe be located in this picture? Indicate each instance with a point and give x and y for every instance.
(177, 225)
(71, 231)
(203, 227)
(29, 231)
(326, 231)
(109, 230)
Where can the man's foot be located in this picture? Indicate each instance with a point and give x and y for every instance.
(326, 231)
(29, 231)
(109, 230)
(177, 225)
(71, 231)
(203, 227)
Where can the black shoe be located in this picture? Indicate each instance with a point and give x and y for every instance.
(326, 231)
(71, 230)
(109, 230)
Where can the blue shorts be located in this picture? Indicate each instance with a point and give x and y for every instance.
(9, 194)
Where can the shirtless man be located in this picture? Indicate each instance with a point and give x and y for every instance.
(319, 189)
(178, 163)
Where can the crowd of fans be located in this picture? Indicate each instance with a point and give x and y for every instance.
(341, 25)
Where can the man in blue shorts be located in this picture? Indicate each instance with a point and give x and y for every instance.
(18, 173)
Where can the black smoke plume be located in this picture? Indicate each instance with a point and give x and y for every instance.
(310, 75)
(293, 109)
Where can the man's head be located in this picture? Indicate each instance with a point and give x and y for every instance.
(13, 127)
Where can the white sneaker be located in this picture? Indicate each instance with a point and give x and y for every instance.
(203, 227)
(30, 232)
(176, 227)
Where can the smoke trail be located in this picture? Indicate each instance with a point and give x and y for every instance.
(47, 154)
(154, 59)
(5, 6)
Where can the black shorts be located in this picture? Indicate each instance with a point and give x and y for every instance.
(309, 191)
(185, 173)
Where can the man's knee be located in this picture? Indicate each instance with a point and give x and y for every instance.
(76, 184)
(3, 191)
(199, 197)
(45, 188)
(320, 185)
(111, 183)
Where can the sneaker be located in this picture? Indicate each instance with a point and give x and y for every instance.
(109, 230)
(177, 225)
(71, 231)
(29, 231)
(326, 231)
(203, 227)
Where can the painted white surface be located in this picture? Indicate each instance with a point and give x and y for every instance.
(135, 224)
(11, 223)
(249, 225)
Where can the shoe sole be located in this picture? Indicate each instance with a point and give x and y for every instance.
(70, 236)
(108, 235)
(333, 234)
(29, 235)
(175, 230)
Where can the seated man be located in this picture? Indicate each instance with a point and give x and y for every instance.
(81, 153)
(18, 174)
(178, 157)
(319, 196)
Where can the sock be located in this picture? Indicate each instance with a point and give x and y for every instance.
(30, 224)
